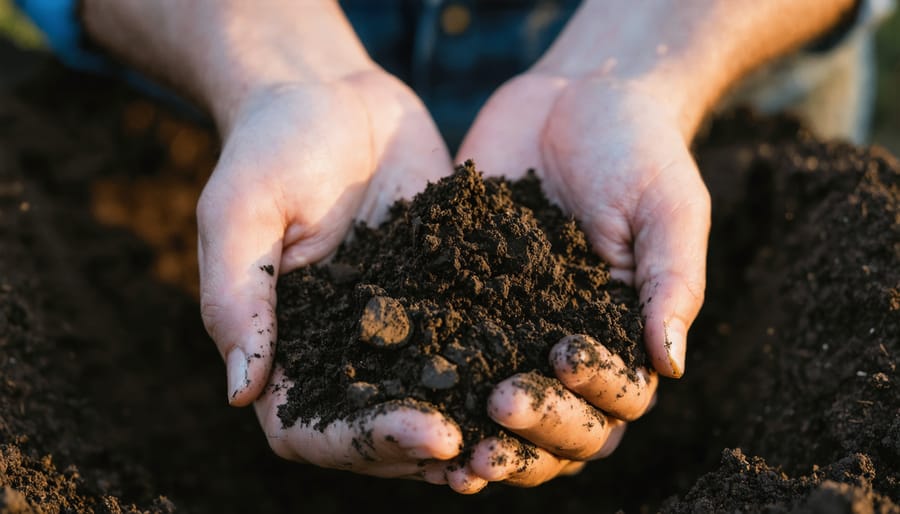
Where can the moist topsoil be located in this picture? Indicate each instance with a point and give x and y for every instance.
(112, 399)
(468, 284)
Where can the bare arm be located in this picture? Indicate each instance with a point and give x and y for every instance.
(694, 50)
(218, 51)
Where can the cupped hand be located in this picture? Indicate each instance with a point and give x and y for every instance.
(613, 154)
(564, 422)
(396, 439)
(300, 163)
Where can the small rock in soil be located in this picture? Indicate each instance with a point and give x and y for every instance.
(360, 393)
(439, 373)
(384, 323)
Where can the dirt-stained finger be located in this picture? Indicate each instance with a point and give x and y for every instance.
(587, 367)
(434, 471)
(544, 412)
(616, 433)
(506, 459)
(463, 480)
(389, 439)
(572, 468)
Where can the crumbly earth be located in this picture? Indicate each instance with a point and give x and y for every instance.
(112, 397)
(810, 238)
(470, 283)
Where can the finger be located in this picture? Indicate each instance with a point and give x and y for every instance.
(388, 440)
(434, 472)
(602, 378)
(542, 411)
(508, 460)
(239, 255)
(616, 433)
(671, 235)
(572, 468)
(463, 480)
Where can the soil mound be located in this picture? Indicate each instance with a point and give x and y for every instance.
(813, 243)
(470, 283)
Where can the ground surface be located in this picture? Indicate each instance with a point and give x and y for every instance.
(111, 395)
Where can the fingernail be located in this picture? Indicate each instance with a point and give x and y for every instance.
(237, 372)
(676, 345)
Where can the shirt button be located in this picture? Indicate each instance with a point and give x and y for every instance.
(455, 19)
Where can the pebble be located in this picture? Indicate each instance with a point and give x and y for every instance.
(384, 323)
(359, 393)
(439, 373)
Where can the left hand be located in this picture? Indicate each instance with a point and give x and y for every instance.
(613, 154)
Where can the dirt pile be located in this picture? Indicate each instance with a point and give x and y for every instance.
(817, 316)
(105, 368)
(470, 283)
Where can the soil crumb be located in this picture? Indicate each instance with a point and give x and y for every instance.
(471, 282)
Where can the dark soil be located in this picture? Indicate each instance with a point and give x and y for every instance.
(112, 399)
(470, 283)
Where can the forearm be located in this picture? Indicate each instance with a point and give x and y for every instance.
(218, 51)
(690, 51)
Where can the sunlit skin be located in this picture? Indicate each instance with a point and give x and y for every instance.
(316, 135)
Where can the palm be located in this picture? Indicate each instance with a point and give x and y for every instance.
(614, 158)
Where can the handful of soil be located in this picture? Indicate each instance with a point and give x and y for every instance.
(468, 284)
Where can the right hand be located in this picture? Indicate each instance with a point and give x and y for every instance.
(300, 162)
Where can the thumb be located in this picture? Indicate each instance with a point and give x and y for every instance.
(239, 252)
(671, 235)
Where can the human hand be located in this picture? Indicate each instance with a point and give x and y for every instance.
(614, 155)
(578, 417)
(300, 163)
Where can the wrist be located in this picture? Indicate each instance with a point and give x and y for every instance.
(613, 46)
(251, 55)
(686, 54)
(222, 53)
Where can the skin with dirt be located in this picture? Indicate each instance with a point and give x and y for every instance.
(470, 283)
(111, 395)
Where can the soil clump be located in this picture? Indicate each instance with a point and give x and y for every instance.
(469, 283)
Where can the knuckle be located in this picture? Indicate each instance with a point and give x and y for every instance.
(210, 313)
